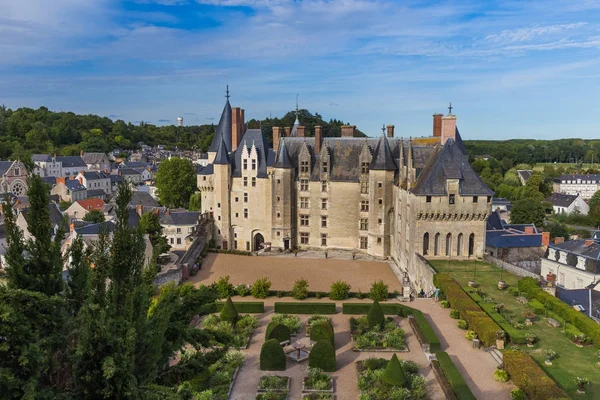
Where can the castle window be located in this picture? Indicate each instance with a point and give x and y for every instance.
(489, 199)
(253, 181)
(364, 224)
(235, 235)
(304, 237)
(278, 181)
(425, 243)
(459, 244)
(380, 201)
(247, 246)
(237, 215)
(236, 199)
(245, 164)
(451, 199)
(278, 233)
(475, 198)
(278, 215)
(303, 202)
(427, 199)
(253, 165)
(278, 198)
(323, 204)
(364, 205)
(448, 244)
(245, 197)
(324, 167)
(304, 185)
(378, 240)
(304, 220)
(364, 168)
(235, 244)
(204, 178)
(178, 240)
(323, 239)
(323, 221)
(471, 244)
(218, 205)
(379, 184)
(436, 245)
(303, 166)
(245, 181)
(379, 221)
(364, 241)
(219, 218)
(245, 213)
(364, 187)
(323, 186)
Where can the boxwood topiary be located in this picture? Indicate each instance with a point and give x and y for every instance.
(322, 356)
(272, 357)
(228, 312)
(375, 316)
(322, 331)
(277, 331)
(394, 374)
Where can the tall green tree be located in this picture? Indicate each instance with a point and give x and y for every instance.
(528, 211)
(95, 216)
(150, 225)
(195, 202)
(595, 204)
(176, 182)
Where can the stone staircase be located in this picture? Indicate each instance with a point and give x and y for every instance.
(496, 354)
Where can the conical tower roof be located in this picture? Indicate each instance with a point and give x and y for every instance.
(224, 128)
(383, 158)
(283, 157)
(222, 156)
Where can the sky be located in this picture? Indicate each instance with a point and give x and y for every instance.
(512, 69)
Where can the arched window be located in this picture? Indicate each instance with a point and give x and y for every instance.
(459, 244)
(436, 245)
(449, 244)
(471, 244)
(425, 243)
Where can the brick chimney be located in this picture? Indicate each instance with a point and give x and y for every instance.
(448, 127)
(139, 209)
(236, 127)
(318, 139)
(437, 125)
(61, 180)
(545, 239)
(348, 130)
(276, 137)
(529, 229)
(559, 240)
(300, 131)
(81, 153)
(588, 242)
(390, 131)
(287, 131)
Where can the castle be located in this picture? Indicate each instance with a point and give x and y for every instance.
(386, 196)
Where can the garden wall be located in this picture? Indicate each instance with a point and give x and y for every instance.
(171, 275)
(513, 268)
(421, 274)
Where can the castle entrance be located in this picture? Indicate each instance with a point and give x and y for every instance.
(259, 239)
(286, 243)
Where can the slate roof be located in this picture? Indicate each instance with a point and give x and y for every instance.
(74, 185)
(139, 198)
(128, 171)
(525, 174)
(223, 131)
(71, 161)
(96, 193)
(499, 234)
(5, 166)
(96, 229)
(50, 180)
(56, 216)
(208, 170)
(450, 162)
(136, 164)
(283, 158)
(561, 200)
(93, 158)
(382, 157)
(578, 247)
(41, 158)
(266, 155)
(116, 179)
(221, 157)
(583, 177)
(95, 175)
(180, 218)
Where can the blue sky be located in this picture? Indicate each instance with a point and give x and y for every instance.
(512, 69)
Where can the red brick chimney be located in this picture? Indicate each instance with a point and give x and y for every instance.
(437, 125)
(448, 128)
(529, 229)
(390, 131)
(588, 242)
(236, 127)
(287, 131)
(276, 137)
(545, 239)
(348, 130)
(318, 139)
(300, 131)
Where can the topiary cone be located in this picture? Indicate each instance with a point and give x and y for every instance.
(375, 318)
(272, 357)
(228, 312)
(394, 374)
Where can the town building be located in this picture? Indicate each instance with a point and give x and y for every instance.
(58, 166)
(13, 178)
(96, 161)
(568, 203)
(80, 208)
(56, 219)
(584, 185)
(386, 196)
(576, 263)
(524, 175)
(179, 227)
(69, 190)
(95, 180)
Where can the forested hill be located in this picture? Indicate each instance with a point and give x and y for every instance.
(26, 131)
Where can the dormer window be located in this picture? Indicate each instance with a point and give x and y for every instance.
(324, 167)
(253, 165)
(245, 164)
(364, 168)
(303, 166)
(451, 199)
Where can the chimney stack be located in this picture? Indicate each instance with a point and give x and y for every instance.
(317, 146)
(300, 131)
(140, 210)
(276, 137)
(60, 180)
(589, 242)
(237, 123)
(80, 153)
(437, 125)
(287, 131)
(448, 128)
(390, 131)
(348, 130)
(559, 240)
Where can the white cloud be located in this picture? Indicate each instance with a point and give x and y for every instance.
(526, 34)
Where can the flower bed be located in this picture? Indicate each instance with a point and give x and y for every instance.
(317, 381)
(218, 380)
(291, 321)
(240, 332)
(274, 383)
(390, 337)
(318, 396)
(271, 395)
(372, 385)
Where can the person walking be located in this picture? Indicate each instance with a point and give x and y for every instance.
(436, 294)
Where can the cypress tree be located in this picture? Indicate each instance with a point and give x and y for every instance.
(394, 374)
(229, 312)
(375, 317)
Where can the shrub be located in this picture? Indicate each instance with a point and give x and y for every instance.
(228, 312)
(393, 374)
(304, 308)
(339, 290)
(379, 291)
(375, 316)
(291, 321)
(517, 394)
(445, 304)
(322, 331)
(454, 314)
(252, 307)
(462, 324)
(277, 331)
(483, 325)
(514, 291)
(272, 357)
(300, 289)
(527, 375)
(458, 384)
(260, 288)
(224, 287)
(242, 290)
(501, 375)
(322, 356)
(470, 335)
(359, 294)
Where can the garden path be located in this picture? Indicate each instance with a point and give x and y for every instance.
(345, 378)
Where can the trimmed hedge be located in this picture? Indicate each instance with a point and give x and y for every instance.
(515, 336)
(586, 325)
(394, 374)
(427, 331)
(322, 331)
(478, 320)
(363, 308)
(528, 376)
(458, 384)
(249, 307)
(322, 356)
(304, 308)
(277, 331)
(272, 357)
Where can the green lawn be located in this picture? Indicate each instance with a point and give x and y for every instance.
(572, 361)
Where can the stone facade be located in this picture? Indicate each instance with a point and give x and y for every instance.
(13, 178)
(386, 197)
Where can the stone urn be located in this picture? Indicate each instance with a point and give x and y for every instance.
(500, 344)
(548, 362)
(472, 284)
(528, 322)
(501, 285)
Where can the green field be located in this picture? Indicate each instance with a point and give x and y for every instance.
(572, 361)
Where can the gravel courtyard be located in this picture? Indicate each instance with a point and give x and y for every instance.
(283, 271)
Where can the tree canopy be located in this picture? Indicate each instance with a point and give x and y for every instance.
(95, 216)
(528, 211)
(176, 182)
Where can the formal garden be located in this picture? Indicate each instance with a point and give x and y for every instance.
(381, 379)
(543, 336)
(376, 332)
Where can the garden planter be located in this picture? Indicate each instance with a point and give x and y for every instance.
(501, 285)
(548, 362)
(528, 322)
(581, 388)
(472, 284)
(500, 344)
